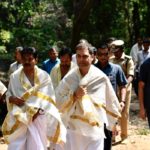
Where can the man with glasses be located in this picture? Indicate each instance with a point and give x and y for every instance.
(117, 79)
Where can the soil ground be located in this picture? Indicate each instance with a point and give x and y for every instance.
(139, 133)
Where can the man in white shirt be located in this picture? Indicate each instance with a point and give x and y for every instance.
(17, 64)
(135, 49)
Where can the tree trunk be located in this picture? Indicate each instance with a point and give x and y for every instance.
(81, 15)
(136, 21)
(148, 18)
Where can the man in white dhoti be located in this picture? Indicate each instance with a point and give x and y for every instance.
(3, 107)
(32, 115)
(60, 70)
(3, 89)
(86, 100)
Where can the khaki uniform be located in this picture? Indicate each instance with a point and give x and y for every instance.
(127, 65)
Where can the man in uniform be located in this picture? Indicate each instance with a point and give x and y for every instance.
(127, 66)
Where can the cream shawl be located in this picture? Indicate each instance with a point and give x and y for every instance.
(88, 115)
(56, 74)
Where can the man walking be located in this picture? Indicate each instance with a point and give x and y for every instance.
(32, 115)
(117, 79)
(87, 101)
(127, 66)
(60, 70)
(144, 91)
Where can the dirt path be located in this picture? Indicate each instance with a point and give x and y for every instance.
(139, 133)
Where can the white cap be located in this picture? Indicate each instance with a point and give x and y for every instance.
(115, 45)
(118, 43)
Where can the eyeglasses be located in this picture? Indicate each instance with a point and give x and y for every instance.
(102, 54)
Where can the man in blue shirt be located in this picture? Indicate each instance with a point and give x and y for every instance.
(52, 61)
(117, 79)
(144, 90)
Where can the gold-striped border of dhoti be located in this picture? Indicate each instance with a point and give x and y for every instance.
(84, 120)
(44, 97)
(6, 132)
(56, 137)
(67, 105)
(39, 95)
(31, 112)
(107, 111)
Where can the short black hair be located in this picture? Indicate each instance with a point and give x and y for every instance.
(102, 46)
(110, 39)
(52, 48)
(29, 50)
(64, 51)
(146, 40)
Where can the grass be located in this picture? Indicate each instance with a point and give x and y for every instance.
(144, 131)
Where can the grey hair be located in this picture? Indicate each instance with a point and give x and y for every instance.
(85, 46)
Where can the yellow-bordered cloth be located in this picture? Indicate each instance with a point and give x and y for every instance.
(42, 96)
(88, 115)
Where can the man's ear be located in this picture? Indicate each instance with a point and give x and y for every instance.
(92, 57)
(36, 60)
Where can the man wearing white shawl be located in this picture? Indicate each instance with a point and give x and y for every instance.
(3, 89)
(60, 70)
(86, 100)
(32, 115)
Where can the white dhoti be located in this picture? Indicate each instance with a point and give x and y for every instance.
(77, 141)
(33, 136)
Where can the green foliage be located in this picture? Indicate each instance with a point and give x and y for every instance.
(5, 36)
(41, 23)
(37, 23)
(3, 49)
(143, 131)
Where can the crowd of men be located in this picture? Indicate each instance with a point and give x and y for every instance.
(75, 101)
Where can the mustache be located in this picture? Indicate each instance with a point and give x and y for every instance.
(65, 65)
(27, 64)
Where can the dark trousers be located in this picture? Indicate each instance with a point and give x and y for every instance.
(135, 83)
(148, 116)
(108, 139)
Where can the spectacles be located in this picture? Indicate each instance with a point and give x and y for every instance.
(102, 54)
